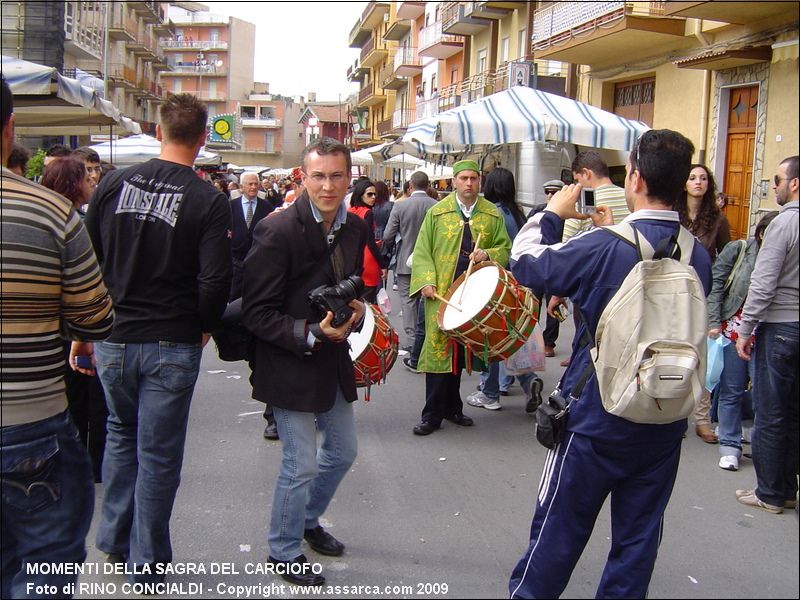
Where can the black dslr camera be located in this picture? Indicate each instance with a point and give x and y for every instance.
(335, 298)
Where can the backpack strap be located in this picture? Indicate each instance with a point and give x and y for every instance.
(739, 258)
(629, 234)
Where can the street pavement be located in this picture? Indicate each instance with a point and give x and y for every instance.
(445, 515)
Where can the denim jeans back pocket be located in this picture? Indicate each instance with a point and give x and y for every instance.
(179, 365)
(30, 476)
(110, 362)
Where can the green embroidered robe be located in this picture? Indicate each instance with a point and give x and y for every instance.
(434, 263)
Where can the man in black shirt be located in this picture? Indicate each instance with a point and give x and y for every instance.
(161, 235)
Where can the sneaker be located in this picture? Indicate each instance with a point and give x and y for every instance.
(407, 364)
(786, 503)
(394, 287)
(749, 498)
(534, 395)
(729, 463)
(480, 400)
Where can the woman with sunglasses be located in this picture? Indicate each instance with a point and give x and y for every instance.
(361, 203)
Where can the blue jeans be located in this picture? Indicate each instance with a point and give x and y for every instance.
(495, 380)
(775, 434)
(732, 396)
(48, 500)
(148, 389)
(308, 477)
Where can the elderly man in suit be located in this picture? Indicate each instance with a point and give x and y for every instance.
(246, 211)
(405, 220)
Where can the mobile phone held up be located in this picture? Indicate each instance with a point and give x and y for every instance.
(587, 204)
(83, 362)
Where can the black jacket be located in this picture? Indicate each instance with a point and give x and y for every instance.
(242, 236)
(289, 257)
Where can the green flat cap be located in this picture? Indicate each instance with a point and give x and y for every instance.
(465, 165)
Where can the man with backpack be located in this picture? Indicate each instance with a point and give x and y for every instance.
(625, 420)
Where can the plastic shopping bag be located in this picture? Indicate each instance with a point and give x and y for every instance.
(715, 361)
(530, 357)
(384, 302)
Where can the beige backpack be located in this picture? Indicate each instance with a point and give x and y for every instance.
(650, 345)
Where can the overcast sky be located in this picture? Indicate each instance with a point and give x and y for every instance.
(301, 47)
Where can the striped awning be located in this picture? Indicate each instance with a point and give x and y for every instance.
(522, 114)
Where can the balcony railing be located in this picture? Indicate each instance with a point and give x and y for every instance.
(402, 117)
(365, 93)
(384, 127)
(200, 18)
(200, 69)
(260, 122)
(563, 20)
(122, 72)
(426, 108)
(194, 44)
(407, 56)
(432, 34)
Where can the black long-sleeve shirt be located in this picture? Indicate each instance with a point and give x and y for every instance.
(162, 237)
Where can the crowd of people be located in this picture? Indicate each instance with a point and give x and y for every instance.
(137, 268)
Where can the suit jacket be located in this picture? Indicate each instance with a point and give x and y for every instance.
(289, 257)
(406, 219)
(242, 236)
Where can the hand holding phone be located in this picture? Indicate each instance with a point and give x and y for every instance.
(587, 203)
(83, 362)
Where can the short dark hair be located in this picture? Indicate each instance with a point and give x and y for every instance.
(183, 119)
(592, 161)
(791, 163)
(86, 154)
(763, 223)
(327, 145)
(663, 159)
(58, 150)
(65, 175)
(419, 181)
(19, 157)
(7, 101)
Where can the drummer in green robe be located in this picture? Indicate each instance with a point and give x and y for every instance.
(445, 246)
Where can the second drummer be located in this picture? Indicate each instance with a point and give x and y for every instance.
(444, 248)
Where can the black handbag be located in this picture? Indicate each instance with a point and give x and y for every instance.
(551, 420)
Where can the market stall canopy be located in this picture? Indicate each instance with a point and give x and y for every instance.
(47, 103)
(522, 114)
(140, 148)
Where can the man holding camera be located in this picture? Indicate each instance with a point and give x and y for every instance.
(603, 454)
(316, 246)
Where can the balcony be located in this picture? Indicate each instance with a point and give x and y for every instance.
(373, 53)
(160, 63)
(398, 30)
(149, 11)
(407, 62)
(261, 122)
(368, 97)
(166, 27)
(739, 13)
(435, 44)
(120, 75)
(599, 33)
(374, 13)
(401, 118)
(358, 35)
(143, 85)
(410, 10)
(389, 79)
(356, 72)
(202, 70)
(173, 44)
(456, 22)
(144, 45)
(211, 96)
(201, 18)
(384, 128)
(83, 42)
(122, 28)
(488, 10)
(426, 108)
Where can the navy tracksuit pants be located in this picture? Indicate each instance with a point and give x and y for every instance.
(578, 476)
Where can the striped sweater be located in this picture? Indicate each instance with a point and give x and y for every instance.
(50, 290)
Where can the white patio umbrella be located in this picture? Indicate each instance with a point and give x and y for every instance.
(140, 148)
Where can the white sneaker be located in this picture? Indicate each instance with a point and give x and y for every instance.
(480, 400)
(729, 463)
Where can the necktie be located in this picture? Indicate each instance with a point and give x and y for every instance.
(249, 216)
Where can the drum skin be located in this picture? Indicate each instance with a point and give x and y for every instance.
(502, 325)
(379, 354)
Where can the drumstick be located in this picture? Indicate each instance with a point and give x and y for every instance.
(469, 269)
(450, 304)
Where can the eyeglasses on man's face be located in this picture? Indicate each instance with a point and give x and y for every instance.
(334, 178)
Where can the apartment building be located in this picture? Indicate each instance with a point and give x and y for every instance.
(70, 37)
(725, 74)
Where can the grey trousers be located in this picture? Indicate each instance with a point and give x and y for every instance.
(409, 308)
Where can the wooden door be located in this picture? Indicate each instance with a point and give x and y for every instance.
(741, 138)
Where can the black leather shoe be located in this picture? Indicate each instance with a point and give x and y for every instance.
(271, 431)
(461, 419)
(297, 571)
(323, 542)
(535, 395)
(425, 428)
